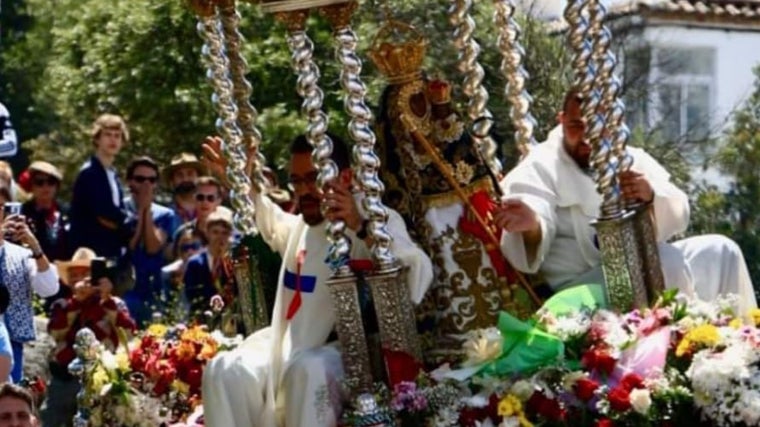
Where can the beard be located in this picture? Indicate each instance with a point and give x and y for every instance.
(184, 188)
(580, 154)
(310, 208)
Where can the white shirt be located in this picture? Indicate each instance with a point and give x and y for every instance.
(44, 283)
(111, 174)
(8, 139)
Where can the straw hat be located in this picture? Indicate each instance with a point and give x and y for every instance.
(220, 214)
(183, 160)
(81, 258)
(46, 168)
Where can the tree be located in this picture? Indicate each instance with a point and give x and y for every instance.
(735, 212)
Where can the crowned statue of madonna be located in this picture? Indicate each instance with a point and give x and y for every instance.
(436, 179)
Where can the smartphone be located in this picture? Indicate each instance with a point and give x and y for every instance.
(12, 208)
(98, 270)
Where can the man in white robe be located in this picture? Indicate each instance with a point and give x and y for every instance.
(286, 374)
(551, 200)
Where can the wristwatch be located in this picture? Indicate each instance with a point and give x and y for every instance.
(362, 233)
(38, 255)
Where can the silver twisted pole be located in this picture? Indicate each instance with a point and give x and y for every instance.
(473, 88)
(217, 63)
(366, 161)
(512, 54)
(596, 110)
(242, 90)
(87, 349)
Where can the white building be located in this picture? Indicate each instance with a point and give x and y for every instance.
(687, 64)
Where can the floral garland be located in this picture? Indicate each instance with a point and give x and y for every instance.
(683, 362)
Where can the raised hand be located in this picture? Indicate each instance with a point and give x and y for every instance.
(514, 215)
(341, 205)
(212, 157)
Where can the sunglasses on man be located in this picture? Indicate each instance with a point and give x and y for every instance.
(200, 197)
(141, 178)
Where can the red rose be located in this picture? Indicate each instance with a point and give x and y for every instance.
(545, 407)
(599, 360)
(604, 422)
(194, 378)
(619, 399)
(631, 381)
(585, 388)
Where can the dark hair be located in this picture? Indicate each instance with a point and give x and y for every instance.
(18, 392)
(141, 161)
(572, 95)
(340, 153)
(209, 180)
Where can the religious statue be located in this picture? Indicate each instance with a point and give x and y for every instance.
(436, 179)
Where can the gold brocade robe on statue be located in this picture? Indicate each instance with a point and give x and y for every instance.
(472, 281)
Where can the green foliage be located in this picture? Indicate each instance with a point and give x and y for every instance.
(71, 60)
(735, 212)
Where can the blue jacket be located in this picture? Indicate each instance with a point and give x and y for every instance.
(199, 284)
(96, 222)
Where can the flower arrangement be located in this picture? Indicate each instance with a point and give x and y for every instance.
(168, 363)
(682, 362)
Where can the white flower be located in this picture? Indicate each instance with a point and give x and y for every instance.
(510, 422)
(569, 326)
(641, 400)
(523, 390)
(483, 346)
(569, 380)
(109, 361)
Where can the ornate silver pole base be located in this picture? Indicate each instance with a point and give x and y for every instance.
(646, 236)
(350, 329)
(253, 308)
(395, 314)
(87, 348)
(621, 262)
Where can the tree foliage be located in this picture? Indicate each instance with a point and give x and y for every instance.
(75, 59)
(734, 212)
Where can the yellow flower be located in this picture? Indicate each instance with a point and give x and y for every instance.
(99, 379)
(181, 387)
(185, 351)
(754, 314)
(510, 405)
(735, 323)
(157, 330)
(195, 334)
(122, 361)
(208, 351)
(702, 335)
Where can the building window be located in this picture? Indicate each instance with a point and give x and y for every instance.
(683, 82)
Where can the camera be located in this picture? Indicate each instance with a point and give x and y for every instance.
(100, 268)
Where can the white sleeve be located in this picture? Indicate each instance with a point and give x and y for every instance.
(44, 283)
(420, 267)
(273, 223)
(525, 183)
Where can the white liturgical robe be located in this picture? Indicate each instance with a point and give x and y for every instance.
(566, 201)
(285, 374)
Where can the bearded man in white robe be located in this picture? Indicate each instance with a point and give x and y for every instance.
(288, 374)
(552, 199)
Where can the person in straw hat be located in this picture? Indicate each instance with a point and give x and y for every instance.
(48, 216)
(90, 305)
(179, 178)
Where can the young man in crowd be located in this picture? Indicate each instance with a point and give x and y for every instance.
(16, 407)
(208, 197)
(210, 272)
(179, 177)
(91, 306)
(150, 226)
(97, 207)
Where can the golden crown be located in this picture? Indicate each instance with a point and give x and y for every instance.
(398, 51)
